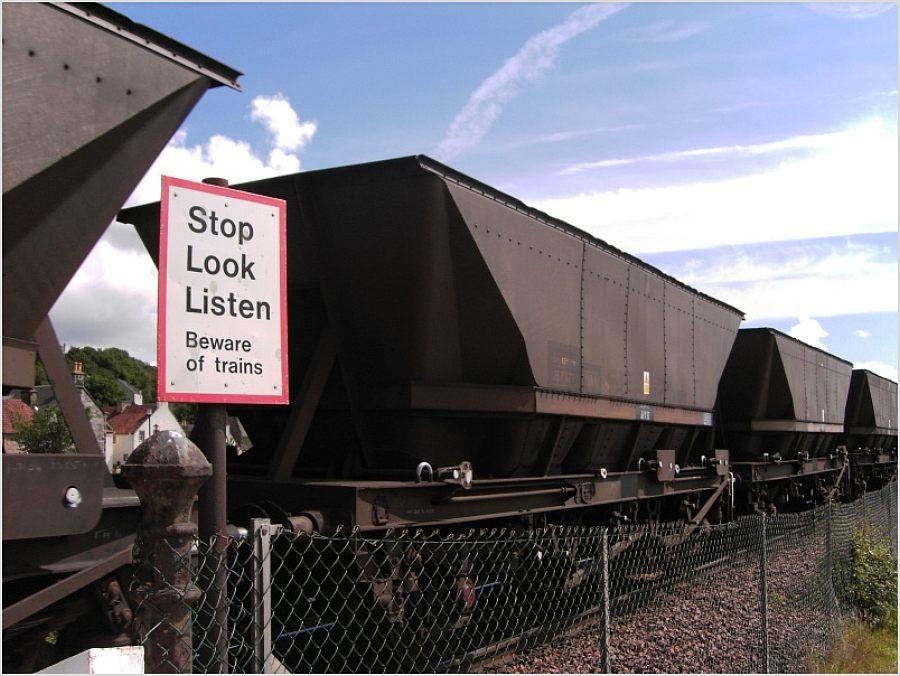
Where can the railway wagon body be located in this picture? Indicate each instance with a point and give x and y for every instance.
(468, 328)
(871, 430)
(781, 415)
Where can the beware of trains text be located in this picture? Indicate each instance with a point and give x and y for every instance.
(222, 295)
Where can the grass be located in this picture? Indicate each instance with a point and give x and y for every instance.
(863, 649)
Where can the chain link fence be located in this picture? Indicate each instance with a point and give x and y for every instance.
(760, 594)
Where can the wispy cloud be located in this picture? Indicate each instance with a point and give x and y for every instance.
(561, 136)
(809, 142)
(535, 58)
(850, 10)
(862, 333)
(845, 184)
(738, 107)
(666, 31)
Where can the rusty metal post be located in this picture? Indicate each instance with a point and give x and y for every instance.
(209, 435)
(165, 471)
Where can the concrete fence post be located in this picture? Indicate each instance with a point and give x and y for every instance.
(262, 531)
(165, 471)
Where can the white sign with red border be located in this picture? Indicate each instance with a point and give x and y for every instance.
(222, 335)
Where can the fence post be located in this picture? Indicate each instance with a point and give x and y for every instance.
(763, 593)
(165, 471)
(604, 614)
(829, 546)
(262, 595)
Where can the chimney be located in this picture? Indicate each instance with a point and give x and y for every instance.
(78, 374)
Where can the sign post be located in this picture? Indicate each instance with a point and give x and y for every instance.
(222, 335)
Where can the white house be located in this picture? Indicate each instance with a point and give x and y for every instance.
(132, 423)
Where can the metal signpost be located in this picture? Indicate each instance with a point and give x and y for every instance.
(222, 330)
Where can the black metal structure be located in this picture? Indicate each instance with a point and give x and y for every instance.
(90, 98)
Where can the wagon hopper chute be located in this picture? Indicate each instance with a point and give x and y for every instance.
(434, 319)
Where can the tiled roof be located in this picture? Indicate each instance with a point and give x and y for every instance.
(128, 421)
(12, 409)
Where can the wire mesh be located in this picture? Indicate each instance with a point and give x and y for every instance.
(754, 595)
(679, 597)
(803, 613)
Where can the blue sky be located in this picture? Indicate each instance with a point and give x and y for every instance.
(749, 149)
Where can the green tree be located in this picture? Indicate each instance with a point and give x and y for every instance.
(45, 433)
(185, 414)
(102, 367)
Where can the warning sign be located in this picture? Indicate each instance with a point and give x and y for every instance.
(222, 334)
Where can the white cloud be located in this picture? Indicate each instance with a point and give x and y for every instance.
(809, 331)
(229, 158)
(282, 121)
(666, 31)
(111, 300)
(843, 183)
(220, 156)
(799, 279)
(862, 333)
(534, 59)
(738, 107)
(559, 136)
(808, 142)
(850, 10)
(879, 367)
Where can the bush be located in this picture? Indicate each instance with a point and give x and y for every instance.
(873, 577)
(47, 432)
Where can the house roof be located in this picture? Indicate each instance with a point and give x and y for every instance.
(127, 388)
(12, 409)
(129, 420)
(45, 395)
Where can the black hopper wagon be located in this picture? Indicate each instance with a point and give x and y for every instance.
(801, 425)
(460, 358)
(871, 431)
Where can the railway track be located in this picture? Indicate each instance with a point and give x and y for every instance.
(499, 653)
